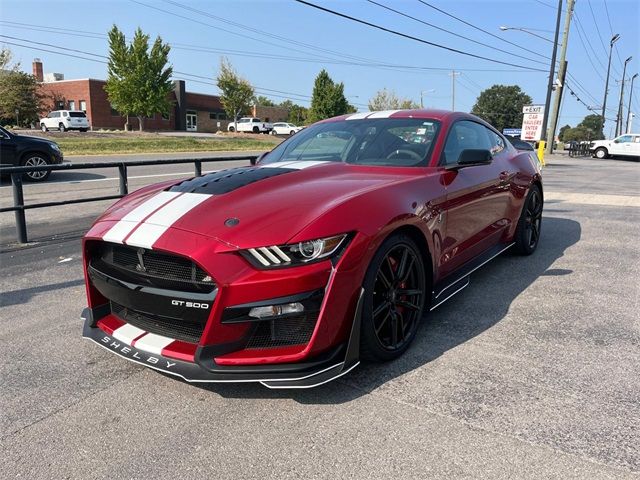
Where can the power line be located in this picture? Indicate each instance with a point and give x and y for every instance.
(480, 29)
(411, 37)
(450, 32)
(595, 22)
(245, 53)
(584, 46)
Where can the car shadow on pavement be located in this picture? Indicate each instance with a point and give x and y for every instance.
(57, 177)
(476, 309)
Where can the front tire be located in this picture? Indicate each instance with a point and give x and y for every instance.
(256, 130)
(36, 160)
(527, 234)
(231, 129)
(601, 153)
(394, 299)
(43, 127)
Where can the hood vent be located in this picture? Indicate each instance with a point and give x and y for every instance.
(226, 181)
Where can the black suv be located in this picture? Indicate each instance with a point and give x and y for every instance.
(17, 150)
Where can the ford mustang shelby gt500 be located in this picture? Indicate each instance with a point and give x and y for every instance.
(327, 250)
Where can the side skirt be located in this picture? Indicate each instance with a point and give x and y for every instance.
(458, 281)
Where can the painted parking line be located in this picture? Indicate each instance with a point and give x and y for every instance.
(593, 199)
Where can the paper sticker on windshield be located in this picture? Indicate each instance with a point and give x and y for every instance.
(421, 131)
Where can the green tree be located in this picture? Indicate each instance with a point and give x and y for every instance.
(562, 132)
(328, 99)
(139, 78)
(593, 123)
(236, 92)
(20, 98)
(264, 101)
(388, 100)
(297, 113)
(501, 106)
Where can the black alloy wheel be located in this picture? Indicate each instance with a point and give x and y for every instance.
(528, 232)
(394, 299)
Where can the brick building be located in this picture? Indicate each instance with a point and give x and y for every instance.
(191, 111)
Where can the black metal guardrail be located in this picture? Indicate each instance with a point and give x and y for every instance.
(123, 167)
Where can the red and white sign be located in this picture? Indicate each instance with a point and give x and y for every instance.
(532, 122)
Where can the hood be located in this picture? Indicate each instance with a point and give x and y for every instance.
(34, 139)
(250, 206)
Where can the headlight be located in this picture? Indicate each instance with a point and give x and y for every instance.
(296, 253)
(54, 146)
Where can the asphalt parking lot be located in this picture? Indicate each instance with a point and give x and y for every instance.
(531, 372)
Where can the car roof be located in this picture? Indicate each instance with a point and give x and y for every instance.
(431, 114)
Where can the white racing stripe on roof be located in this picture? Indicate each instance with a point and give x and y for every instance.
(126, 224)
(127, 333)
(300, 165)
(153, 343)
(383, 114)
(358, 116)
(158, 223)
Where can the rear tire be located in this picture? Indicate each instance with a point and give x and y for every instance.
(62, 128)
(527, 234)
(256, 130)
(43, 127)
(231, 129)
(601, 153)
(83, 130)
(394, 299)
(36, 160)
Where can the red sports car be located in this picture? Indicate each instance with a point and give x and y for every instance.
(329, 250)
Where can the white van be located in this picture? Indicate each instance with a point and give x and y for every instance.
(64, 120)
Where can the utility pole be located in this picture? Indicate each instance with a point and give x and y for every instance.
(619, 117)
(562, 71)
(453, 89)
(629, 107)
(547, 103)
(614, 39)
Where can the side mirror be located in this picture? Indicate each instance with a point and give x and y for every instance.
(257, 160)
(472, 156)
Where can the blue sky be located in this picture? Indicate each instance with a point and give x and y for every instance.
(336, 41)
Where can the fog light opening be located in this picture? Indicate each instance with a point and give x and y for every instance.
(276, 310)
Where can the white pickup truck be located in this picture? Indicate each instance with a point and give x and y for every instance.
(627, 145)
(250, 125)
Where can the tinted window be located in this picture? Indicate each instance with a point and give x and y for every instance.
(77, 114)
(401, 142)
(462, 136)
(624, 139)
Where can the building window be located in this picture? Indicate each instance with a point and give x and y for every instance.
(83, 105)
(60, 105)
(72, 104)
(213, 116)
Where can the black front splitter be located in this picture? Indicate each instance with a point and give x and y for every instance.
(301, 375)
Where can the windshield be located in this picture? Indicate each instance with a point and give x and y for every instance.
(391, 142)
(77, 114)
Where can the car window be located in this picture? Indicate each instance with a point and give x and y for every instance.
(624, 139)
(496, 141)
(464, 135)
(636, 139)
(77, 114)
(243, 120)
(383, 142)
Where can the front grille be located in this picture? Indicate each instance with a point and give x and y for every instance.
(161, 270)
(283, 333)
(177, 328)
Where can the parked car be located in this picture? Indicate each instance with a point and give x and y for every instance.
(327, 252)
(64, 120)
(519, 144)
(20, 150)
(282, 128)
(627, 145)
(250, 125)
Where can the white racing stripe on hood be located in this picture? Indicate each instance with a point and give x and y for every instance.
(125, 226)
(158, 223)
(298, 165)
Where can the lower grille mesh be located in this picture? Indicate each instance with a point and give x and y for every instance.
(283, 333)
(169, 327)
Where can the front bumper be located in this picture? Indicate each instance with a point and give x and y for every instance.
(203, 369)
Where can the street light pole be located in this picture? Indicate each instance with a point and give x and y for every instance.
(619, 117)
(547, 103)
(614, 39)
(504, 29)
(629, 107)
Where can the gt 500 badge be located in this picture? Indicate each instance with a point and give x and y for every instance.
(182, 303)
